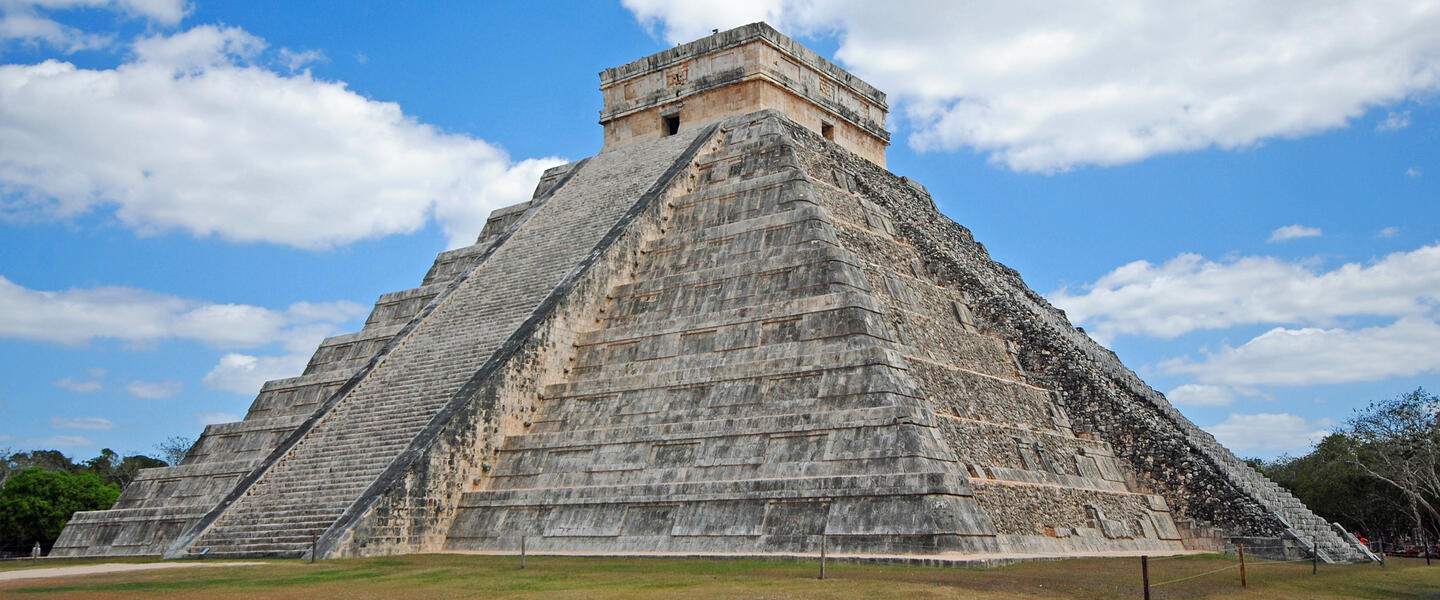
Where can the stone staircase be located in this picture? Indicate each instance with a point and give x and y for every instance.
(1302, 525)
(302, 494)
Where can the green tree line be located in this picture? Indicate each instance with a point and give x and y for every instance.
(1378, 475)
(41, 489)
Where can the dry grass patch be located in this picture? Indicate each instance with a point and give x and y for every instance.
(468, 576)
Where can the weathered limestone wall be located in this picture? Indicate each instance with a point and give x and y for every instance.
(738, 72)
(1046, 490)
(740, 98)
(1167, 454)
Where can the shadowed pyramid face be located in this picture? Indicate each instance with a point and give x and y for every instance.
(729, 331)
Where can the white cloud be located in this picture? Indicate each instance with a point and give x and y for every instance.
(1395, 121)
(215, 418)
(25, 21)
(1189, 293)
(1317, 356)
(164, 12)
(1388, 232)
(685, 21)
(77, 316)
(1413, 173)
(295, 61)
(29, 27)
(1049, 87)
(1290, 232)
(154, 390)
(77, 385)
(95, 423)
(195, 134)
(64, 441)
(1202, 395)
(1281, 432)
(244, 374)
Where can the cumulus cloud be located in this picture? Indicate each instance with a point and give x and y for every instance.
(76, 316)
(195, 133)
(215, 418)
(1395, 121)
(1290, 232)
(1281, 432)
(1192, 394)
(27, 26)
(154, 390)
(1189, 293)
(64, 441)
(1049, 87)
(95, 423)
(1311, 355)
(77, 385)
(26, 20)
(244, 374)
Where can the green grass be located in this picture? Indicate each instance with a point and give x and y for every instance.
(465, 576)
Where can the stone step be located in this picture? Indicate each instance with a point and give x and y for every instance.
(366, 430)
(584, 415)
(706, 429)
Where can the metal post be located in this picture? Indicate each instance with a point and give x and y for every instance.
(1424, 539)
(822, 556)
(1242, 566)
(1314, 556)
(1381, 553)
(522, 551)
(1145, 574)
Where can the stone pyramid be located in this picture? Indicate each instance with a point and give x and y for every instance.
(731, 331)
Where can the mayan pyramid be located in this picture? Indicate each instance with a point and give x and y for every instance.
(730, 331)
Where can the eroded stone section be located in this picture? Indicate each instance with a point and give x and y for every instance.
(1030, 473)
(1203, 485)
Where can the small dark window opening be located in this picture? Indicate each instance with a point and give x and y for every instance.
(672, 124)
(828, 131)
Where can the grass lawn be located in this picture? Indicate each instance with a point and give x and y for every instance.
(466, 576)
(25, 563)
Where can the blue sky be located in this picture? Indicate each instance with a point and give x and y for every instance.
(1242, 203)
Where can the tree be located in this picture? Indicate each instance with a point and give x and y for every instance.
(174, 449)
(6, 467)
(35, 504)
(1336, 489)
(1397, 441)
(121, 471)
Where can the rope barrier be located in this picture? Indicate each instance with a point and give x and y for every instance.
(1155, 585)
(1256, 560)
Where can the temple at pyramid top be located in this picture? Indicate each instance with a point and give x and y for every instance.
(737, 72)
